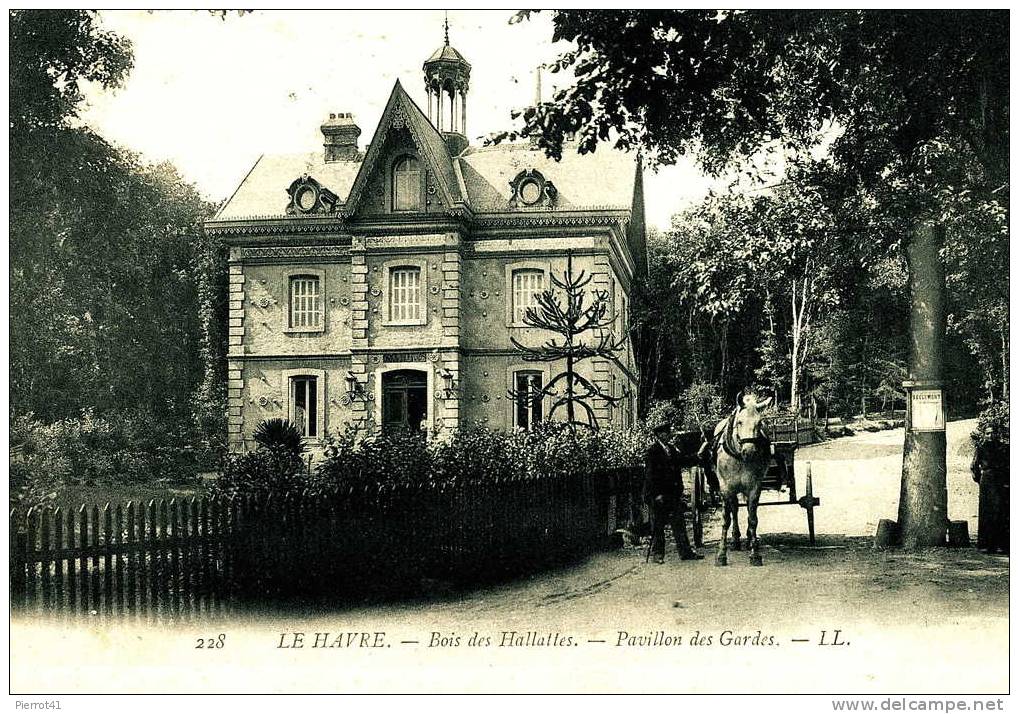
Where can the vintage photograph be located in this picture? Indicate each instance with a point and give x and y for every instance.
(510, 352)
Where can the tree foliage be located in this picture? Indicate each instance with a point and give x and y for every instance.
(117, 297)
(909, 110)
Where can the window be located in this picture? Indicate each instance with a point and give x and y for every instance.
(624, 317)
(405, 295)
(305, 302)
(527, 284)
(304, 404)
(527, 387)
(406, 184)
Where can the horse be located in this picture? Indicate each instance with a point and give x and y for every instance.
(742, 453)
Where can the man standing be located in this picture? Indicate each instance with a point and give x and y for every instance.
(663, 492)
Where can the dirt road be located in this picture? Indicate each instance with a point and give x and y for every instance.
(934, 621)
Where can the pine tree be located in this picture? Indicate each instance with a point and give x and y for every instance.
(569, 389)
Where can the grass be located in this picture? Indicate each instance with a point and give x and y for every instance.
(74, 496)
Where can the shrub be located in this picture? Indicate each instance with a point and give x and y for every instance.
(702, 403)
(992, 425)
(94, 451)
(260, 473)
(279, 436)
(467, 455)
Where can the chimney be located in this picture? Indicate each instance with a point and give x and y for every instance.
(339, 133)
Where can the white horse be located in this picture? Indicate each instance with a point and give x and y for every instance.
(742, 453)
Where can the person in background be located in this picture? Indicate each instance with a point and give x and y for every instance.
(663, 492)
(990, 469)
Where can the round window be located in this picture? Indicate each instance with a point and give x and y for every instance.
(530, 191)
(306, 198)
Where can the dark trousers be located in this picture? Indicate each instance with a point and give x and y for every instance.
(668, 511)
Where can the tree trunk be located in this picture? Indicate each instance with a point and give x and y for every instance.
(570, 413)
(923, 499)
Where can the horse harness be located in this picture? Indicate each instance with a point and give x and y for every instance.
(730, 443)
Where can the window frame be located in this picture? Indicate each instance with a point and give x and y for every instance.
(289, 276)
(287, 377)
(420, 204)
(387, 269)
(512, 371)
(546, 270)
(430, 380)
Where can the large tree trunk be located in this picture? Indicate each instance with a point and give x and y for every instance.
(923, 499)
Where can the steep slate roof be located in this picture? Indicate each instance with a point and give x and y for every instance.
(604, 179)
(480, 177)
(263, 192)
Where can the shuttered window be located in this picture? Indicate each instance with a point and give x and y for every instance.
(406, 184)
(305, 302)
(405, 294)
(527, 284)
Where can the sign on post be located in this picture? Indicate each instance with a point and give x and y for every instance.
(927, 410)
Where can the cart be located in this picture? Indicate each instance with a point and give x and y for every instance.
(784, 432)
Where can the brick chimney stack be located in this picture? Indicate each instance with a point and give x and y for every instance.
(340, 135)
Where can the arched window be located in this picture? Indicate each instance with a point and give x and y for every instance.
(406, 184)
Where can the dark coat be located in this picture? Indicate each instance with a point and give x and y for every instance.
(662, 475)
(991, 470)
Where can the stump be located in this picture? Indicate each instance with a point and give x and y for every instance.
(887, 535)
(958, 534)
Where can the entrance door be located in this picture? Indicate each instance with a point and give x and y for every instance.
(404, 400)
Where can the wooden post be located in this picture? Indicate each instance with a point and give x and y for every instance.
(175, 565)
(118, 543)
(132, 558)
(31, 597)
(58, 565)
(72, 576)
(107, 559)
(154, 559)
(145, 559)
(204, 553)
(83, 570)
(164, 558)
(45, 554)
(95, 595)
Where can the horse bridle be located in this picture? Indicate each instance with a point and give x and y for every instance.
(729, 441)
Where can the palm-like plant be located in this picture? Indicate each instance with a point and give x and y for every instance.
(279, 436)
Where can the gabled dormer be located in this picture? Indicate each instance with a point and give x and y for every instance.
(407, 169)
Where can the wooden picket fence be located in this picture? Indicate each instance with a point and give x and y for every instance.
(147, 560)
(189, 558)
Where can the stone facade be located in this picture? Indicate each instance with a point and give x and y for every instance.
(358, 354)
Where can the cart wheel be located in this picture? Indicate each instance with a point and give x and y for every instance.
(698, 498)
(810, 504)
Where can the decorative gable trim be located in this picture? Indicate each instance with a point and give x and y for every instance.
(402, 113)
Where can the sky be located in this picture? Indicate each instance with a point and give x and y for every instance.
(211, 95)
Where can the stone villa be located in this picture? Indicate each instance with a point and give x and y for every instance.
(383, 284)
